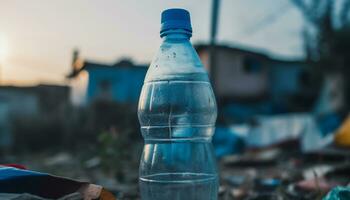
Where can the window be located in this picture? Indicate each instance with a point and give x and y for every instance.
(252, 65)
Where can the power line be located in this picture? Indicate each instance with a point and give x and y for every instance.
(266, 21)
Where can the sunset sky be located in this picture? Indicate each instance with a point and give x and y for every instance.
(37, 37)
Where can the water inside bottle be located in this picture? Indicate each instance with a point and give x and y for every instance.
(177, 113)
(179, 186)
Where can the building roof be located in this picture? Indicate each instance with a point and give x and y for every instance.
(263, 54)
(218, 47)
(33, 87)
(123, 63)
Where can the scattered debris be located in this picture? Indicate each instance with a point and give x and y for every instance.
(266, 157)
(45, 186)
(286, 157)
(316, 184)
(93, 162)
(59, 159)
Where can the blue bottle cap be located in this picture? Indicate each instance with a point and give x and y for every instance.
(175, 18)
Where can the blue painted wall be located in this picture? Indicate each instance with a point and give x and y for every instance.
(123, 83)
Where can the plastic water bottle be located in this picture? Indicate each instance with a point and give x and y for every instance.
(177, 112)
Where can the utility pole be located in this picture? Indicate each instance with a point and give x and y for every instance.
(214, 21)
(212, 49)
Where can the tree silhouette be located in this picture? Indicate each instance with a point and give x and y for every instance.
(327, 37)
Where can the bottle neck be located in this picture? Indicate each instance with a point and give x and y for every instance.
(176, 34)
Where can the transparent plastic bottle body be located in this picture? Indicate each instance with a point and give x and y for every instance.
(177, 112)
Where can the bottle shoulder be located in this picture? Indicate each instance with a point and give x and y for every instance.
(176, 59)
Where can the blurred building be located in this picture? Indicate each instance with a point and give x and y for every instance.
(26, 102)
(33, 100)
(241, 77)
(120, 82)
(22, 101)
(248, 74)
(250, 82)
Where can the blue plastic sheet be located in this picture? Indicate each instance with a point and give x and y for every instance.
(226, 142)
(338, 193)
